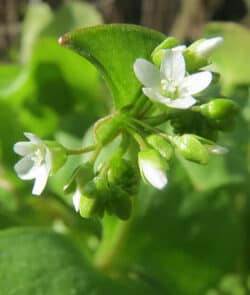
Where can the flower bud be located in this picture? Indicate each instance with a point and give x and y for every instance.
(196, 55)
(191, 148)
(119, 203)
(91, 207)
(161, 145)
(158, 52)
(108, 128)
(219, 109)
(124, 175)
(153, 168)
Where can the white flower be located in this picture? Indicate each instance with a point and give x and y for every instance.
(207, 46)
(76, 200)
(153, 169)
(36, 162)
(169, 85)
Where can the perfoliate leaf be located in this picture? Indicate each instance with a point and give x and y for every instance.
(113, 49)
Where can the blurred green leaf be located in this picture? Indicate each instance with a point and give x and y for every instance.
(113, 49)
(42, 262)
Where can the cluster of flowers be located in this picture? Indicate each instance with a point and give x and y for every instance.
(171, 83)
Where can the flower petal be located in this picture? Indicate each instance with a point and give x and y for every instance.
(173, 65)
(196, 83)
(207, 47)
(32, 137)
(181, 103)
(41, 180)
(23, 148)
(26, 168)
(76, 200)
(147, 73)
(154, 176)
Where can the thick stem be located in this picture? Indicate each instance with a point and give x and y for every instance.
(112, 241)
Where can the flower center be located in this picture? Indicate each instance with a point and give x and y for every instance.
(39, 156)
(169, 88)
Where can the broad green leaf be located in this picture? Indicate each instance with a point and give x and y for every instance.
(232, 57)
(113, 49)
(36, 261)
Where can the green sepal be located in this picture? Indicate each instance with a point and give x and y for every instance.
(58, 155)
(119, 203)
(161, 145)
(194, 62)
(219, 109)
(157, 54)
(108, 128)
(191, 148)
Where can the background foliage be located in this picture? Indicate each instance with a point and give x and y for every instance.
(192, 238)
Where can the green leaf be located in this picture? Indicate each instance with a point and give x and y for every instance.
(113, 49)
(231, 58)
(37, 261)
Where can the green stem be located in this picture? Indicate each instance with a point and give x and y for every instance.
(112, 241)
(87, 149)
(137, 137)
(138, 104)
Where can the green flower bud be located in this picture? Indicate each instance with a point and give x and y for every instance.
(58, 155)
(91, 207)
(153, 168)
(119, 203)
(161, 145)
(123, 174)
(191, 148)
(219, 108)
(108, 128)
(158, 52)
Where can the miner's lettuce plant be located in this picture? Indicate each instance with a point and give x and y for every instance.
(153, 182)
(136, 118)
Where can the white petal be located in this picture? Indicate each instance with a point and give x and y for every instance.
(180, 48)
(206, 47)
(181, 103)
(32, 137)
(26, 168)
(24, 148)
(154, 176)
(217, 149)
(41, 180)
(147, 73)
(196, 83)
(76, 200)
(173, 65)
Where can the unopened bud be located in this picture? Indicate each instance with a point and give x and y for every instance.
(123, 174)
(120, 203)
(191, 149)
(161, 145)
(219, 109)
